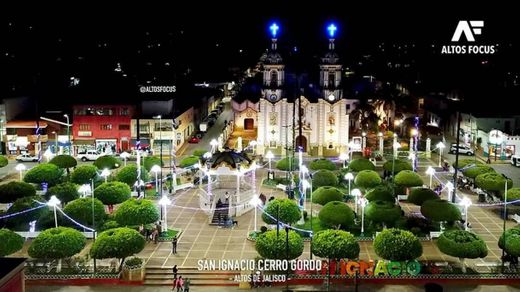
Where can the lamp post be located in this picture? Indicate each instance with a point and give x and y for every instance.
(380, 135)
(160, 147)
(68, 134)
(396, 147)
(411, 156)
(465, 202)
(156, 168)
(356, 193)
(125, 156)
(255, 201)
(55, 142)
(53, 202)
(349, 177)
(363, 203)
(105, 173)
(20, 168)
(214, 144)
(440, 146)
(363, 142)
(269, 155)
(164, 201)
(430, 171)
(343, 157)
(253, 144)
(504, 226)
(449, 185)
(48, 154)
(84, 189)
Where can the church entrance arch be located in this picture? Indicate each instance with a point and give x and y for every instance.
(301, 141)
(249, 124)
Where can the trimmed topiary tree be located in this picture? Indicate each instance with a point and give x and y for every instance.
(323, 178)
(322, 163)
(288, 210)
(336, 215)
(199, 152)
(361, 164)
(20, 222)
(465, 162)
(81, 211)
(57, 243)
(107, 161)
(128, 175)
(512, 241)
(11, 242)
(513, 195)
(112, 193)
(493, 182)
(408, 178)
(380, 193)
(440, 210)
(400, 165)
(473, 172)
(463, 245)
(3, 161)
(64, 161)
(189, 161)
(420, 195)
(397, 245)
(44, 173)
(83, 174)
(271, 246)
(117, 243)
(136, 212)
(287, 164)
(383, 212)
(150, 161)
(66, 192)
(335, 244)
(323, 195)
(15, 190)
(367, 179)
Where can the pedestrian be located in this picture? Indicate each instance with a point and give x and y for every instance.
(155, 235)
(174, 245)
(175, 270)
(187, 285)
(142, 230)
(174, 283)
(179, 284)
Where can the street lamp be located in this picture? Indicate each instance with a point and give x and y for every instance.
(363, 203)
(68, 134)
(84, 189)
(20, 167)
(160, 138)
(156, 168)
(440, 146)
(450, 187)
(411, 156)
(255, 201)
(53, 202)
(349, 177)
(125, 156)
(364, 141)
(56, 142)
(164, 201)
(430, 171)
(396, 147)
(356, 193)
(48, 154)
(344, 157)
(253, 144)
(269, 155)
(105, 173)
(465, 202)
(381, 146)
(214, 145)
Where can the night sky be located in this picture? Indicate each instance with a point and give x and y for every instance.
(164, 45)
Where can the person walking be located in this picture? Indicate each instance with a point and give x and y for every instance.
(174, 270)
(186, 285)
(174, 245)
(179, 284)
(174, 283)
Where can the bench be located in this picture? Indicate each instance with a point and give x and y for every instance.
(516, 217)
(281, 187)
(435, 234)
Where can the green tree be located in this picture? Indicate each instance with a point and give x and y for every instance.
(465, 162)
(367, 179)
(3, 161)
(513, 194)
(64, 161)
(128, 175)
(287, 164)
(512, 241)
(20, 222)
(107, 161)
(81, 211)
(112, 193)
(463, 245)
(288, 210)
(150, 161)
(323, 178)
(400, 165)
(361, 164)
(117, 243)
(397, 245)
(44, 173)
(323, 195)
(408, 178)
(15, 190)
(189, 161)
(493, 182)
(322, 163)
(83, 174)
(66, 192)
(420, 195)
(440, 211)
(11, 242)
(336, 215)
(473, 172)
(136, 212)
(383, 212)
(381, 192)
(335, 244)
(271, 246)
(199, 152)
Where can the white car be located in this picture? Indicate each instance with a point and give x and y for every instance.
(89, 155)
(515, 160)
(26, 158)
(463, 149)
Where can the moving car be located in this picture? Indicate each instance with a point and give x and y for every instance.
(193, 140)
(515, 160)
(463, 149)
(26, 158)
(89, 155)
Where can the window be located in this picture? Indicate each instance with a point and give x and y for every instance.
(124, 127)
(274, 78)
(123, 111)
(348, 107)
(144, 128)
(106, 127)
(84, 127)
(272, 144)
(332, 79)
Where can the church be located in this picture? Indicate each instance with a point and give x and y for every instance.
(309, 112)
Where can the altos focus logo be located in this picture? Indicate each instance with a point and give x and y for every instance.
(466, 32)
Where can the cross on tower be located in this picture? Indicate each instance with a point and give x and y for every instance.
(332, 30)
(274, 29)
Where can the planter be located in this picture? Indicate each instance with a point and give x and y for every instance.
(133, 274)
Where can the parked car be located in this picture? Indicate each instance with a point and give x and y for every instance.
(463, 149)
(88, 155)
(515, 160)
(26, 158)
(199, 134)
(193, 140)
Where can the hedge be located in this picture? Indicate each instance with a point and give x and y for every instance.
(272, 246)
(3, 161)
(397, 245)
(462, 244)
(199, 152)
(383, 212)
(128, 175)
(107, 161)
(323, 178)
(380, 193)
(289, 212)
(400, 165)
(117, 243)
(465, 162)
(335, 244)
(150, 161)
(361, 164)
(66, 192)
(477, 170)
(440, 210)
(420, 195)
(513, 194)
(408, 178)
(367, 179)
(64, 161)
(326, 194)
(493, 181)
(15, 190)
(322, 163)
(112, 193)
(512, 246)
(45, 172)
(189, 161)
(81, 210)
(283, 164)
(57, 243)
(83, 174)
(136, 212)
(11, 242)
(336, 214)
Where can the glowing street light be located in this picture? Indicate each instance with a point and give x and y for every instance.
(20, 167)
(84, 189)
(430, 171)
(48, 154)
(68, 135)
(450, 188)
(465, 202)
(412, 157)
(156, 169)
(356, 193)
(214, 144)
(253, 144)
(125, 156)
(164, 201)
(269, 155)
(344, 157)
(105, 173)
(363, 203)
(255, 201)
(440, 146)
(53, 202)
(349, 177)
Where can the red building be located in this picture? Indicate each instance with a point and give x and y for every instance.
(103, 127)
